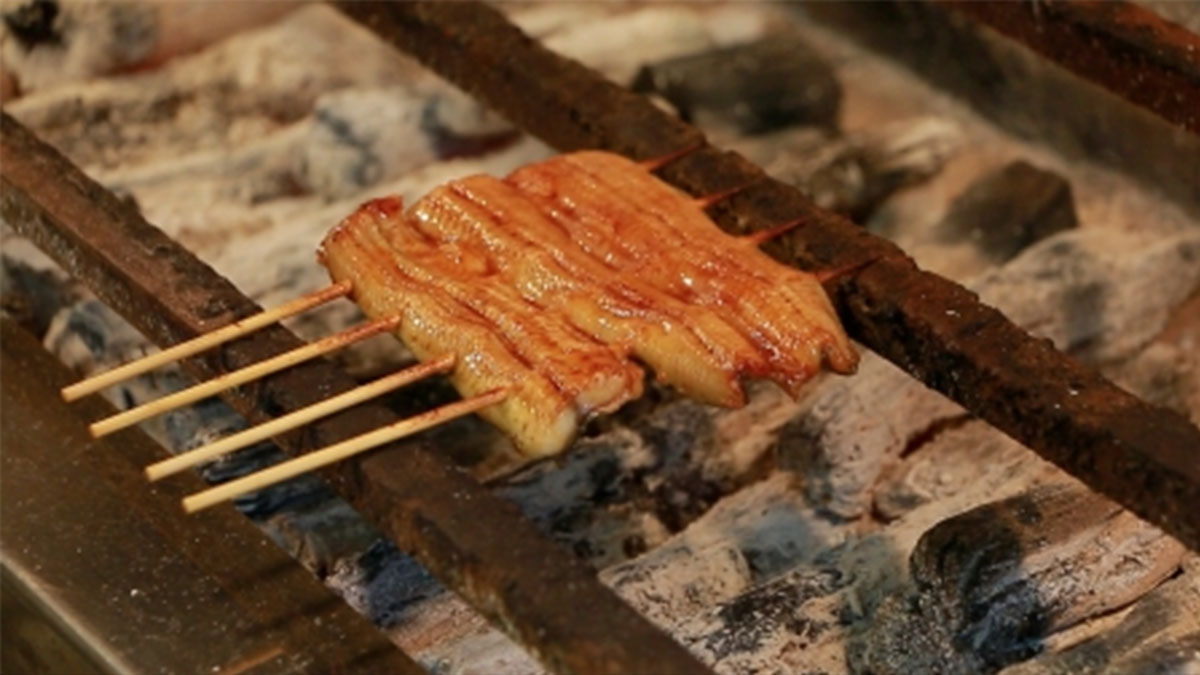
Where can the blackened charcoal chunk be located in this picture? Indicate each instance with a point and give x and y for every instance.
(1007, 210)
(755, 87)
(1005, 575)
(32, 23)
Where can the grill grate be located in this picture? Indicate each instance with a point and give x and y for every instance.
(476, 542)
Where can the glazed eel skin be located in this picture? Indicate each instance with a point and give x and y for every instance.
(557, 281)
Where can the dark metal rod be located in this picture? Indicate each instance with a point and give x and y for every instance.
(1126, 48)
(246, 594)
(476, 543)
(1145, 457)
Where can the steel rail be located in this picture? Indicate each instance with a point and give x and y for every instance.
(474, 542)
(1144, 457)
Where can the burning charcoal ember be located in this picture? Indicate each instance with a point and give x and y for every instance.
(770, 627)
(1159, 636)
(51, 42)
(856, 174)
(680, 583)
(992, 583)
(755, 87)
(1008, 210)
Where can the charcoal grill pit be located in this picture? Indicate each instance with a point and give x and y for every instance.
(1142, 456)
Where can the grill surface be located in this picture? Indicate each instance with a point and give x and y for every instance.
(1142, 456)
(474, 541)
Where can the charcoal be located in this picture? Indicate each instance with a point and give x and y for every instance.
(769, 626)
(31, 295)
(1100, 295)
(1160, 636)
(1009, 209)
(758, 533)
(992, 583)
(755, 87)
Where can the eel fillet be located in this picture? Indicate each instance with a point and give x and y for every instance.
(553, 281)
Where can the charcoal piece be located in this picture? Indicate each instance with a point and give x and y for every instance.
(768, 628)
(31, 295)
(1003, 576)
(856, 173)
(755, 87)
(1160, 635)
(1007, 210)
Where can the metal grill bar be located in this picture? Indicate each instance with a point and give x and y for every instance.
(1126, 48)
(1145, 457)
(234, 594)
(476, 543)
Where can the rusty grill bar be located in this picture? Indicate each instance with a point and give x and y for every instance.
(477, 543)
(1126, 48)
(1142, 456)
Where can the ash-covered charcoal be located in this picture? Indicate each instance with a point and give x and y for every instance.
(1159, 636)
(855, 429)
(625, 490)
(33, 294)
(992, 583)
(954, 458)
(382, 583)
(1098, 294)
(767, 628)
(212, 99)
(51, 42)
(754, 534)
(1007, 210)
(588, 502)
(855, 174)
(359, 137)
(47, 42)
(755, 87)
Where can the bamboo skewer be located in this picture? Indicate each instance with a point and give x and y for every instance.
(298, 418)
(239, 377)
(203, 342)
(339, 451)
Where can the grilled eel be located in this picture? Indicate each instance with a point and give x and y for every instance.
(553, 280)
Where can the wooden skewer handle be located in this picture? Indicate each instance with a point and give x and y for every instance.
(203, 342)
(239, 377)
(339, 451)
(298, 418)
